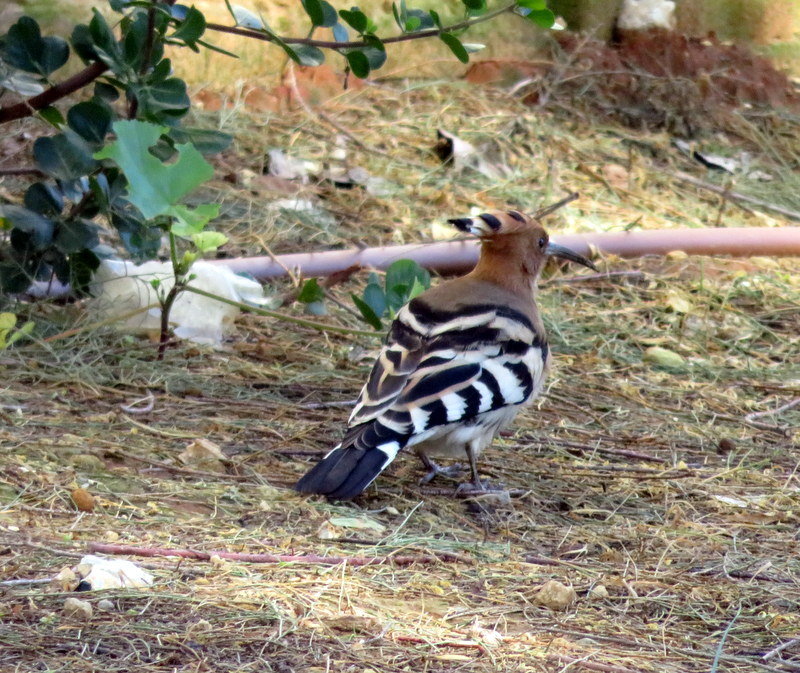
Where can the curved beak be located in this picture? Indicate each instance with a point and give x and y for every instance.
(566, 253)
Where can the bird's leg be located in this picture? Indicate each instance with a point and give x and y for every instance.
(476, 486)
(473, 467)
(435, 470)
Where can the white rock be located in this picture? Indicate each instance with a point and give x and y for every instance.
(644, 14)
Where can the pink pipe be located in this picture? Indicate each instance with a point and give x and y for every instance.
(458, 256)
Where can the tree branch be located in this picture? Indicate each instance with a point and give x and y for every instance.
(328, 44)
(27, 107)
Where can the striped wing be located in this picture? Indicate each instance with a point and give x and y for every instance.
(439, 368)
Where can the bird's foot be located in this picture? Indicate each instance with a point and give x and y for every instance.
(452, 472)
(478, 487)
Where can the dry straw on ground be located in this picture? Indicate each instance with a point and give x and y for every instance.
(667, 499)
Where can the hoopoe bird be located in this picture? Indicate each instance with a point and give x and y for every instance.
(459, 363)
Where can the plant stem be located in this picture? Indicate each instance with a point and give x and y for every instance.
(322, 327)
(166, 307)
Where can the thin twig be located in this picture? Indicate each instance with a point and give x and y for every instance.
(771, 412)
(780, 648)
(736, 196)
(25, 582)
(311, 559)
(322, 327)
(544, 212)
(23, 170)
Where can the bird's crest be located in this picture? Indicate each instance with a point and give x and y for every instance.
(494, 223)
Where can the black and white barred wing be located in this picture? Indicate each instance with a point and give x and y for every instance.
(436, 369)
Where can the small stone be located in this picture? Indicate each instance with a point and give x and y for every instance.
(75, 607)
(83, 500)
(67, 580)
(555, 595)
(663, 357)
(203, 454)
(726, 445)
(106, 605)
(86, 462)
(598, 592)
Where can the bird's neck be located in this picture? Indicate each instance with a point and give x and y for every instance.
(506, 269)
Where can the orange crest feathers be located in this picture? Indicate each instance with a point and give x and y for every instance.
(494, 223)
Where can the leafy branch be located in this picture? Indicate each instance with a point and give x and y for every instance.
(355, 44)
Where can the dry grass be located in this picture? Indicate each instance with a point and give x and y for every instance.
(652, 483)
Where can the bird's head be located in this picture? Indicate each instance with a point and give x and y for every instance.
(514, 243)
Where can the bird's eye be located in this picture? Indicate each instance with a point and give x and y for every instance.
(543, 242)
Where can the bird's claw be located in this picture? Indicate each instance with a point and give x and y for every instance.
(450, 472)
(477, 487)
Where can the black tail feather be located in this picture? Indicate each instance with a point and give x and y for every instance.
(344, 473)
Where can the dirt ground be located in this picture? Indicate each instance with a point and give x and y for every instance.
(664, 501)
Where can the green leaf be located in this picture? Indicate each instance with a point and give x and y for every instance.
(330, 17)
(426, 19)
(191, 221)
(245, 18)
(417, 289)
(103, 43)
(26, 49)
(82, 266)
(543, 18)
(366, 312)
(141, 240)
(412, 23)
(82, 43)
(38, 228)
(376, 57)
(14, 278)
(308, 55)
(340, 33)
(315, 12)
(65, 156)
(105, 92)
(167, 97)
(206, 241)
(358, 62)
(455, 46)
(154, 188)
(26, 329)
(310, 292)
(44, 199)
(375, 297)
(90, 120)
(75, 235)
(356, 19)
(52, 115)
(191, 28)
(475, 7)
(207, 141)
(435, 17)
(401, 277)
(533, 5)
